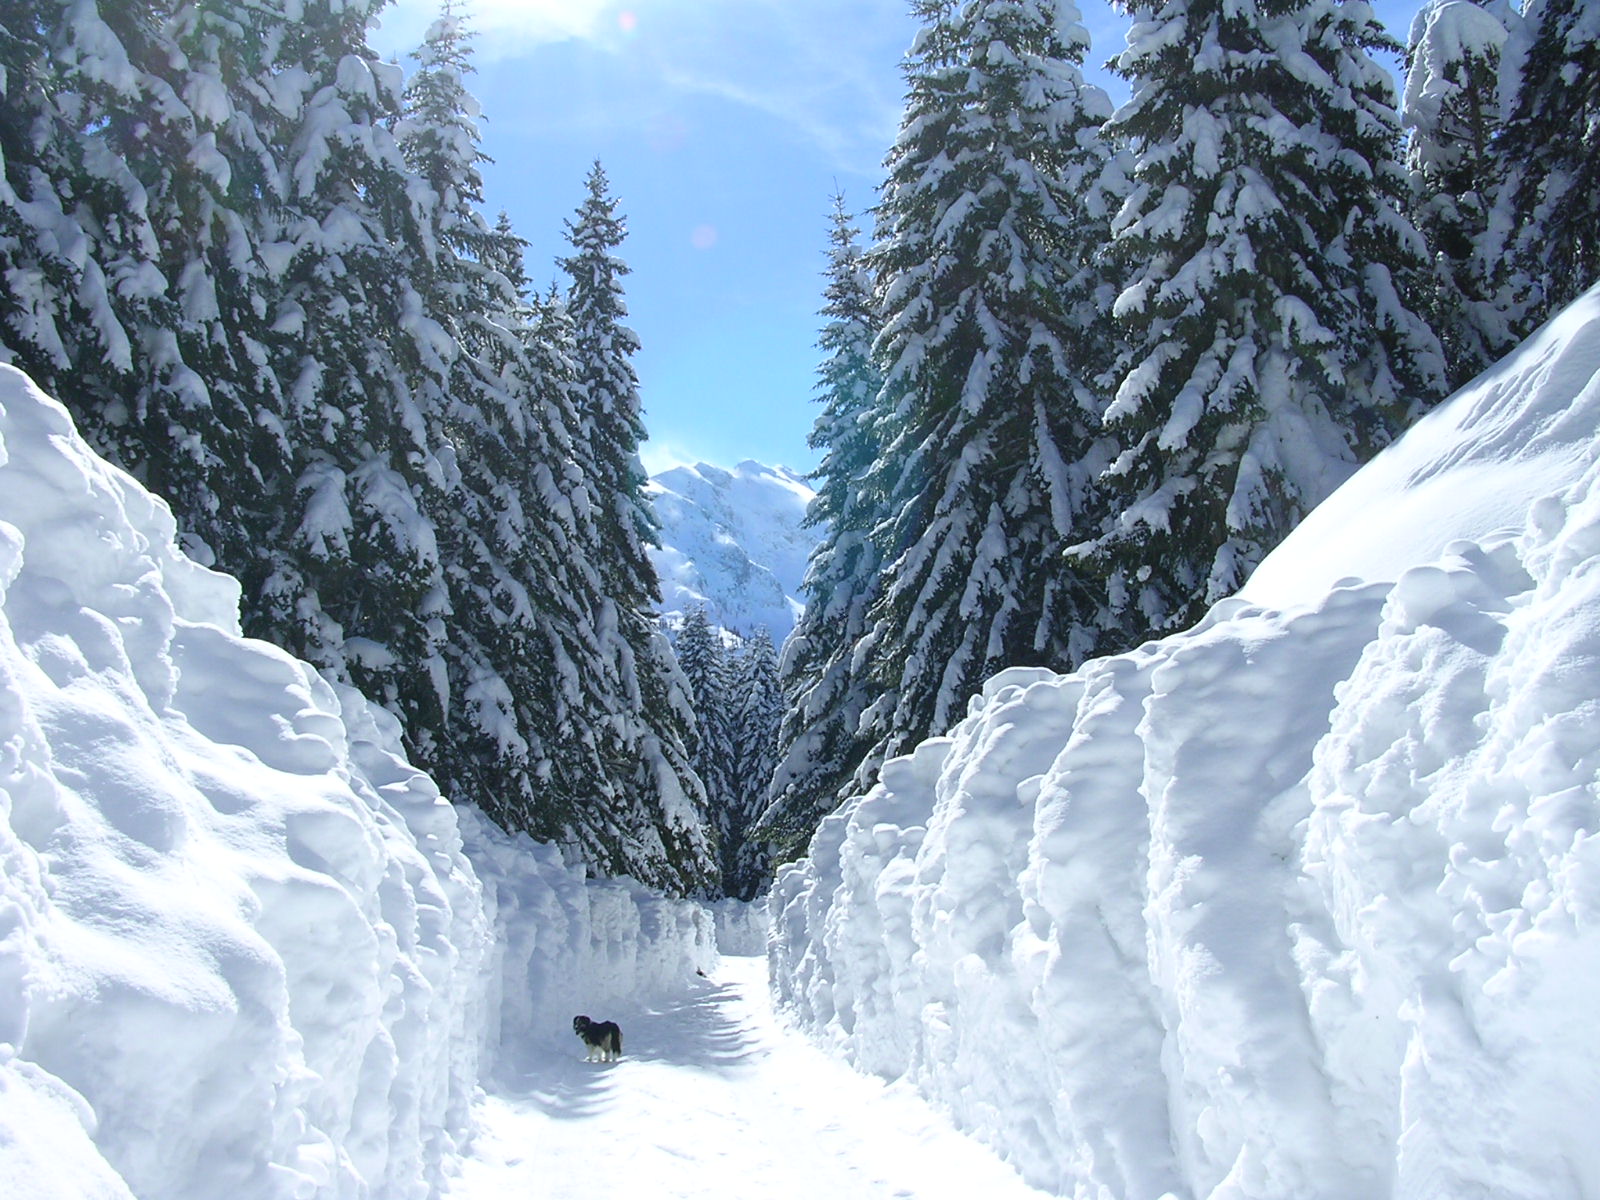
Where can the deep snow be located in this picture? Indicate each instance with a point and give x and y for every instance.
(713, 1101)
(247, 951)
(243, 951)
(1304, 902)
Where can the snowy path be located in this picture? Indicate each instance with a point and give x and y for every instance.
(713, 1100)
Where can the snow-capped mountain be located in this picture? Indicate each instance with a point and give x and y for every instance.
(734, 542)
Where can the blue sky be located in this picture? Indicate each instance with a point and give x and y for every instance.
(725, 126)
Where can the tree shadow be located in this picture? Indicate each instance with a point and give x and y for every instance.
(702, 1030)
(562, 1087)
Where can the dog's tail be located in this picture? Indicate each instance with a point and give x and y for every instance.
(617, 1037)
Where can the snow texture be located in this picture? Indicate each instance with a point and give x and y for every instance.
(244, 951)
(733, 542)
(242, 945)
(1304, 901)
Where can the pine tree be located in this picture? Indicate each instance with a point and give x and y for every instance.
(1273, 283)
(704, 660)
(1551, 146)
(987, 257)
(132, 143)
(357, 582)
(509, 605)
(1452, 108)
(824, 693)
(658, 833)
(755, 704)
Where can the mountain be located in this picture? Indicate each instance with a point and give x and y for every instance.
(734, 542)
(1303, 901)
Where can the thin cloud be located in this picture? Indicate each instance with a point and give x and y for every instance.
(506, 28)
(658, 455)
(822, 67)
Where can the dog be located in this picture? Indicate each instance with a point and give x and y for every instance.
(603, 1038)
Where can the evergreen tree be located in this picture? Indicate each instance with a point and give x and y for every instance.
(658, 832)
(987, 257)
(704, 660)
(357, 583)
(140, 186)
(1551, 146)
(1272, 294)
(824, 693)
(1452, 108)
(513, 616)
(269, 292)
(755, 704)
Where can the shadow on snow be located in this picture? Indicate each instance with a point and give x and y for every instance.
(699, 1032)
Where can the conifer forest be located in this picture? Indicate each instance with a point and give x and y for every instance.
(1081, 365)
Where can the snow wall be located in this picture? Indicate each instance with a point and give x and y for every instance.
(1304, 902)
(244, 950)
(567, 945)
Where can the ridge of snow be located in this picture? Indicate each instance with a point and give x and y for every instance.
(733, 541)
(242, 943)
(1304, 901)
(246, 949)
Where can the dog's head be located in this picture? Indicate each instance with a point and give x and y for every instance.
(579, 1024)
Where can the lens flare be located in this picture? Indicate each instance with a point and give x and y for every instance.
(704, 237)
(627, 20)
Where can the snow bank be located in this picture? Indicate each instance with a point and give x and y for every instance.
(244, 951)
(1302, 902)
(566, 944)
(239, 944)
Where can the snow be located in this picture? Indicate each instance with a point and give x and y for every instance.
(1470, 469)
(242, 944)
(247, 950)
(713, 1101)
(734, 542)
(1304, 901)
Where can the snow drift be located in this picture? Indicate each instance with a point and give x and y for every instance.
(241, 942)
(1302, 902)
(243, 950)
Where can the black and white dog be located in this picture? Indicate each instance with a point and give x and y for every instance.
(603, 1038)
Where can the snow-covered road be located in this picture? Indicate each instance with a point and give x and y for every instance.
(713, 1100)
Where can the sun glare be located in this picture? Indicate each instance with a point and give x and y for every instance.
(627, 21)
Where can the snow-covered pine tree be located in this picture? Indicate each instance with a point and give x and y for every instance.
(1551, 150)
(987, 259)
(1451, 105)
(1272, 296)
(755, 705)
(612, 419)
(137, 182)
(659, 829)
(824, 693)
(704, 660)
(357, 582)
(510, 613)
(54, 295)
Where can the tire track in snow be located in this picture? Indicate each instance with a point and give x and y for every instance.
(713, 1100)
